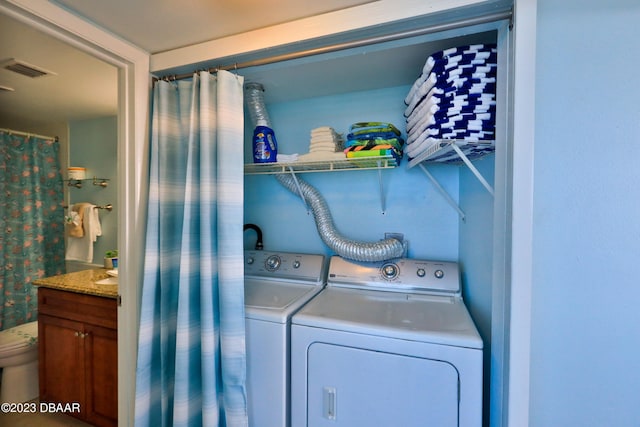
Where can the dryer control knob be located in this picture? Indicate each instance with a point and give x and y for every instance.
(272, 263)
(390, 271)
(250, 260)
(439, 274)
(421, 272)
(296, 264)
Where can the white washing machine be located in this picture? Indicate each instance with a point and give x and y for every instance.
(276, 285)
(387, 345)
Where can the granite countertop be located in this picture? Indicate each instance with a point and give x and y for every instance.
(82, 282)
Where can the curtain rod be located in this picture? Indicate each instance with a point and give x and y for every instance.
(352, 44)
(27, 134)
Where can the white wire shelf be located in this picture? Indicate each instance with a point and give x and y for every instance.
(357, 163)
(346, 164)
(444, 151)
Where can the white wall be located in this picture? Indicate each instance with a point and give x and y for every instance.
(585, 324)
(369, 15)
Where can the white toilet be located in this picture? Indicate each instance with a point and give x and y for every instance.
(19, 363)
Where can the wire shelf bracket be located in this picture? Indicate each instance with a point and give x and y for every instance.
(438, 154)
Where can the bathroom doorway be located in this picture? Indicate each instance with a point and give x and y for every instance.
(133, 81)
(52, 88)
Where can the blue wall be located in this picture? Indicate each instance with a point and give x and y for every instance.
(93, 144)
(414, 207)
(476, 257)
(585, 368)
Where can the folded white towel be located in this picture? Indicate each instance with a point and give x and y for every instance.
(81, 248)
(323, 144)
(323, 135)
(326, 142)
(287, 158)
(321, 156)
(327, 149)
(322, 130)
(325, 131)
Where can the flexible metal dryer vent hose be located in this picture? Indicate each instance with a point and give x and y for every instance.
(254, 95)
(347, 248)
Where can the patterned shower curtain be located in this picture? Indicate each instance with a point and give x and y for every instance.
(31, 222)
(191, 354)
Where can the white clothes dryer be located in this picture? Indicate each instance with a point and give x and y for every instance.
(387, 344)
(276, 285)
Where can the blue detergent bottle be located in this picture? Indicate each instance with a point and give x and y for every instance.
(265, 147)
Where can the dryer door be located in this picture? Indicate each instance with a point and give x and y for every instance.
(350, 386)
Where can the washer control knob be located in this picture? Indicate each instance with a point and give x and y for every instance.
(250, 260)
(272, 263)
(296, 264)
(390, 271)
(439, 274)
(421, 272)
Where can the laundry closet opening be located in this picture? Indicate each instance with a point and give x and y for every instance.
(369, 84)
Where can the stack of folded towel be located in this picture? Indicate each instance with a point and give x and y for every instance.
(374, 139)
(325, 144)
(454, 98)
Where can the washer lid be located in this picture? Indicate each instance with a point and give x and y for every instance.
(275, 301)
(425, 318)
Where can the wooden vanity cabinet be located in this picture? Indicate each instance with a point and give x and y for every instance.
(78, 353)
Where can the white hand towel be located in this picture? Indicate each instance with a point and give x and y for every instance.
(287, 158)
(81, 248)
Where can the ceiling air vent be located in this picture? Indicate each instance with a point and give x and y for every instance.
(26, 69)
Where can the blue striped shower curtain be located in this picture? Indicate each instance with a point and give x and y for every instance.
(191, 350)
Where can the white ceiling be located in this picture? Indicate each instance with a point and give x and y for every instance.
(160, 25)
(84, 87)
(81, 88)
